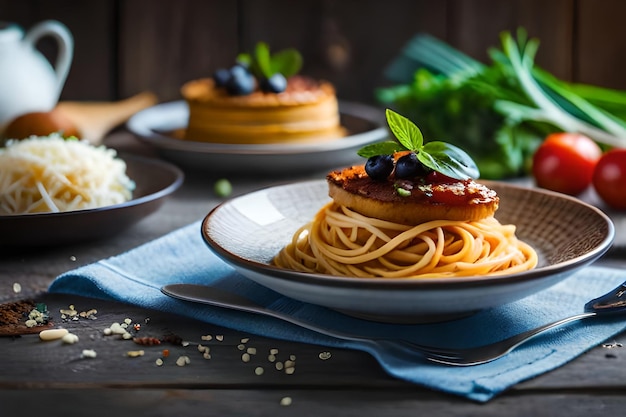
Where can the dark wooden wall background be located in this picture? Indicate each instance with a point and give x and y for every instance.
(123, 47)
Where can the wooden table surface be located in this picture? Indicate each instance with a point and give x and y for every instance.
(52, 379)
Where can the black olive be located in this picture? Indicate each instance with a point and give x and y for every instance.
(277, 83)
(241, 81)
(408, 166)
(221, 77)
(379, 167)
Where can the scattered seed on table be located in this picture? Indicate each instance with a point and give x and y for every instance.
(271, 358)
(135, 353)
(222, 188)
(70, 339)
(279, 366)
(159, 362)
(251, 351)
(274, 351)
(116, 328)
(285, 401)
(245, 357)
(259, 370)
(290, 370)
(183, 360)
(324, 355)
(17, 288)
(219, 338)
(206, 337)
(241, 346)
(52, 334)
(88, 353)
(245, 340)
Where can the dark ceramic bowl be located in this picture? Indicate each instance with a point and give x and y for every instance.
(249, 230)
(155, 180)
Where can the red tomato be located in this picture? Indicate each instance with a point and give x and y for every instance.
(565, 162)
(609, 178)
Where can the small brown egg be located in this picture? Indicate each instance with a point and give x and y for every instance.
(40, 124)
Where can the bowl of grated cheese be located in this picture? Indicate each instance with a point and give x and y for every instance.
(51, 188)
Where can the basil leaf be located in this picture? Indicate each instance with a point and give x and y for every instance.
(287, 62)
(263, 59)
(449, 160)
(381, 148)
(407, 133)
(244, 59)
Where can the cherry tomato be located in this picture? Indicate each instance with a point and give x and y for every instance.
(565, 162)
(609, 178)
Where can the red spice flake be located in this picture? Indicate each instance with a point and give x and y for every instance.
(137, 327)
(165, 353)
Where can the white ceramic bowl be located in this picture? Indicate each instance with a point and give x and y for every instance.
(162, 125)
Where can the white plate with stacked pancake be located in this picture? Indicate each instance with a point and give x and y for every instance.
(162, 126)
(250, 230)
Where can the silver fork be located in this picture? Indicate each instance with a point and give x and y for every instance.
(611, 302)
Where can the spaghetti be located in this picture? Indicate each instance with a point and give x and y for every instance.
(341, 242)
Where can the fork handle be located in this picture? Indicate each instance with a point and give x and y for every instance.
(523, 337)
(612, 302)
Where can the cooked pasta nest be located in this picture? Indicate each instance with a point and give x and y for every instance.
(341, 242)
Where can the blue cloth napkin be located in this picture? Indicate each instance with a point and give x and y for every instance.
(136, 277)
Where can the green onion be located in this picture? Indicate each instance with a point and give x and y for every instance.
(501, 111)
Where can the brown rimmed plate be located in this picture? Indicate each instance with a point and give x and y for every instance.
(249, 230)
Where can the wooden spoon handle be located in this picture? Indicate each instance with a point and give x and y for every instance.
(95, 119)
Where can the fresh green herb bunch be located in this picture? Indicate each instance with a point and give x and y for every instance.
(264, 64)
(261, 68)
(422, 158)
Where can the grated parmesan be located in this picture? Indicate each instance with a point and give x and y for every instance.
(50, 174)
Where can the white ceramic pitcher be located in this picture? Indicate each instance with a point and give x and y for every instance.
(28, 81)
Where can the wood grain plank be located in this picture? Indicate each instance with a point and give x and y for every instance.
(164, 43)
(475, 25)
(304, 403)
(346, 42)
(601, 40)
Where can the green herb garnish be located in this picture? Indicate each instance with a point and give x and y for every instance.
(439, 156)
(264, 64)
(499, 111)
(401, 191)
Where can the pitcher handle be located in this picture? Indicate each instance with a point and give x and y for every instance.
(63, 37)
